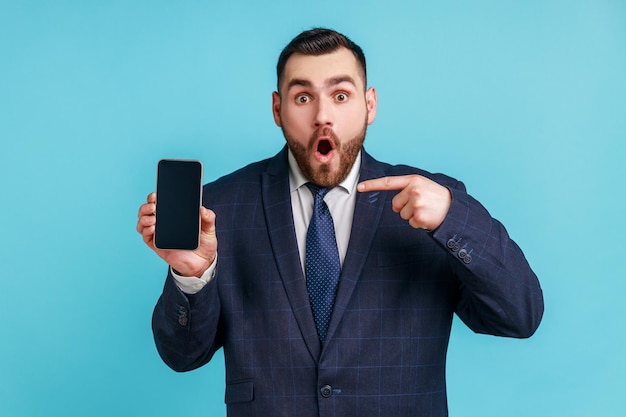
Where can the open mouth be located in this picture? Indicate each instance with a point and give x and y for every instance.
(324, 149)
(324, 146)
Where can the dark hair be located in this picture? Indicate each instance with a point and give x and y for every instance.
(318, 41)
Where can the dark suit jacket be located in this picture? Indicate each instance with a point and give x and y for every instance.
(385, 351)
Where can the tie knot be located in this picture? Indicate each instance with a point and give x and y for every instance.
(318, 192)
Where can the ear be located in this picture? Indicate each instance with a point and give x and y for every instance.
(371, 101)
(276, 108)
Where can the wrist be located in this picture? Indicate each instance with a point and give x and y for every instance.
(196, 272)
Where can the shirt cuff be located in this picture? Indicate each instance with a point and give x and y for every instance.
(192, 285)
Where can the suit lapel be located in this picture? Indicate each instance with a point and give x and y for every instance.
(279, 217)
(367, 213)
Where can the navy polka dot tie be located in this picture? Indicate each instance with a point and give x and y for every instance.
(322, 261)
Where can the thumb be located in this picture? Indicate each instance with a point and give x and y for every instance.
(208, 220)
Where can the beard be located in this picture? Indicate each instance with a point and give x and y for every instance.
(347, 151)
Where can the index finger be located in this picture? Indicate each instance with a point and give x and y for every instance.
(385, 183)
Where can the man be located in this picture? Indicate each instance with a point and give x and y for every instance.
(409, 249)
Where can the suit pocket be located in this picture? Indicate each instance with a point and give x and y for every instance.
(239, 392)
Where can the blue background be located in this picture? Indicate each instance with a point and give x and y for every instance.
(523, 101)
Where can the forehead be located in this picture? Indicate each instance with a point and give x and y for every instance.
(318, 68)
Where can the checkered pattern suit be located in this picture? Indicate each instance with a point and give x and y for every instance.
(386, 346)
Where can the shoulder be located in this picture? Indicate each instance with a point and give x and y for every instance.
(275, 165)
(245, 185)
(243, 174)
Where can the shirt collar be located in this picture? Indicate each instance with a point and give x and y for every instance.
(297, 178)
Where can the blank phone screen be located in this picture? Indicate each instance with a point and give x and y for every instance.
(179, 196)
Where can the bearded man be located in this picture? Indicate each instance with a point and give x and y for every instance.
(338, 276)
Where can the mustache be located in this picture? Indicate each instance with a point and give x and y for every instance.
(326, 132)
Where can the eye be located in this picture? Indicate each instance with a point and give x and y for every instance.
(302, 99)
(341, 97)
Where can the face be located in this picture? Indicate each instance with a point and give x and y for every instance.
(323, 109)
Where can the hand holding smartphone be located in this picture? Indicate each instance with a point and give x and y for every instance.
(179, 197)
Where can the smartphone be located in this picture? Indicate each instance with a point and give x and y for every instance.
(178, 200)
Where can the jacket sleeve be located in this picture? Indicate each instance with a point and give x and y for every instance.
(499, 292)
(185, 326)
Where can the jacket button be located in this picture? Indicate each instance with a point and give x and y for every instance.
(462, 253)
(326, 391)
(467, 259)
(453, 245)
(183, 317)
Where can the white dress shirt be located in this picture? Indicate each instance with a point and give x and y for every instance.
(340, 200)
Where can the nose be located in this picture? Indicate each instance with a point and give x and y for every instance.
(323, 113)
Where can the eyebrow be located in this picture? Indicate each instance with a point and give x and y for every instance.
(330, 82)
